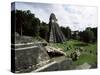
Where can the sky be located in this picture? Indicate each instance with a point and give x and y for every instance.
(74, 16)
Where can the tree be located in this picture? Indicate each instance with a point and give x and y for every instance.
(19, 21)
(95, 33)
(44, 30)
(27, 23)
(67, 32)
(88, 35)
(36, 26)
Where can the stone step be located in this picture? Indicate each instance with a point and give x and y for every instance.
(23, 45)
(45, 66)
(26, 57)
(57, 65)
(25, 48)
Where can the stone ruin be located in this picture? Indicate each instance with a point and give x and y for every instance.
(30, 56)
(55, 34)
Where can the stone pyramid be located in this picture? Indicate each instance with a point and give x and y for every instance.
(55, 34)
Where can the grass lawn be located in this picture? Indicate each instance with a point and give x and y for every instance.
(88, 55)
(90, 59)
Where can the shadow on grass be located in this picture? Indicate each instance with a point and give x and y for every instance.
(81, 44)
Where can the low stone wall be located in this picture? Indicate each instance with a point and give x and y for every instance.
(27, 58)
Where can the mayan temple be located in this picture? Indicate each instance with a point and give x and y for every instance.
(55, 33)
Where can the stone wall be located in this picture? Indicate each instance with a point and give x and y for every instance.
(27, 59)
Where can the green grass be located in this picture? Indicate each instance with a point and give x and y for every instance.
(88, 58)
(88, 55)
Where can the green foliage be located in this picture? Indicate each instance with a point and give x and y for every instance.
(67, 32)
(90, 59)
(44, 29)
(95, 33)
(74, 56)
(36, 26)
(26, 23)
(88, 35)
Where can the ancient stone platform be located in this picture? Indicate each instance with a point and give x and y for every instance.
(27, 56)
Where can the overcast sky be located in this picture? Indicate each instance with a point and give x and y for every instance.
(76, 17)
